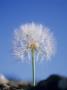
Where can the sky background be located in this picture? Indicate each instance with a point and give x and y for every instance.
(51, 13)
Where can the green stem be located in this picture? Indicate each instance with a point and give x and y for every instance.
(33, 67)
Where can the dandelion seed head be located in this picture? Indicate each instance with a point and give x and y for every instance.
(36, 36)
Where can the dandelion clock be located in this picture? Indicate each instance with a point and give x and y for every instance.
(33, 40)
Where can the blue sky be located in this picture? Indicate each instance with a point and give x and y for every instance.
(51, 13)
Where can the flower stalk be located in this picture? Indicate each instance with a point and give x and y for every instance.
(33, 66)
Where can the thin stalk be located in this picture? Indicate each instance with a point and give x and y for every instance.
(33, 67)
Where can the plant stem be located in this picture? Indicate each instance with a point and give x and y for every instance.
(33, 67)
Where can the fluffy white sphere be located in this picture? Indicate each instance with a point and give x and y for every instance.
(32, 35)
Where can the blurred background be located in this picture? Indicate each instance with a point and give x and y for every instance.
(50, 13)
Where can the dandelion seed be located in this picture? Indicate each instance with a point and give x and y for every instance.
(33, 39)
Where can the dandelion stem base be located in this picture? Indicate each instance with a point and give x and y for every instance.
(33, 67)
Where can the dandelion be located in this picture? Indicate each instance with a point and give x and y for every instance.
(33, 41)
